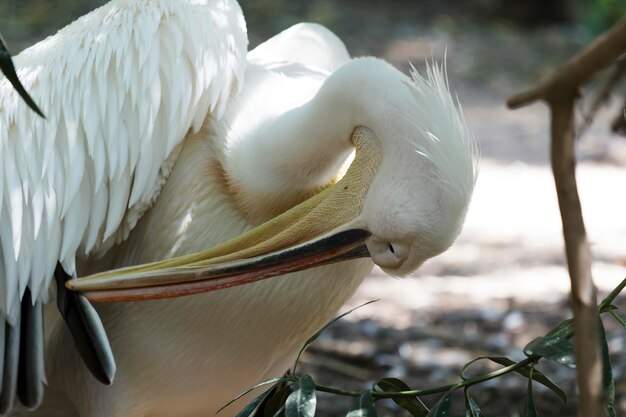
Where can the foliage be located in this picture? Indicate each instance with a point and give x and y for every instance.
(294, 396)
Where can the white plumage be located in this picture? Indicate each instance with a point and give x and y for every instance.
(78, 181)
(163, 139)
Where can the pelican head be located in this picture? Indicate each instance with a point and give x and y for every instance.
(402, 200)
(416, 202)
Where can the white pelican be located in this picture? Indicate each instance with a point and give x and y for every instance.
(162, 139)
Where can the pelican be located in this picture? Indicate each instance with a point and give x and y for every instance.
(174, 173)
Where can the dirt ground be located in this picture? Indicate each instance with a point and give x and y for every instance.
(504, 282)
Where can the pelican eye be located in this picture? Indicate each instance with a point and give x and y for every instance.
(386, 254)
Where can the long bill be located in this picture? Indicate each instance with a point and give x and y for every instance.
(321, 230)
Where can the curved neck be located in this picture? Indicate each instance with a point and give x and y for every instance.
(313, 141)
(290, 158)
(296, 151)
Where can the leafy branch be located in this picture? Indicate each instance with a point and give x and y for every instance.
(295, 396)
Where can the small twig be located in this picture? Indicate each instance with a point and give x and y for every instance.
(603, 94)
(619, 122)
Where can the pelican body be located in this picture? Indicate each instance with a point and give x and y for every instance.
(202, 172)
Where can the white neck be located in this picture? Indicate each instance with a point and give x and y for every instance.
(313, 141)
(290, 138)
(286, 150)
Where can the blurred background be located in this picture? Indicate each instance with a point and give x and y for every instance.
(504, 282)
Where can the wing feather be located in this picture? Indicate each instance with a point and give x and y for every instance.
(38, 268)
(11, 296)
(120, 87)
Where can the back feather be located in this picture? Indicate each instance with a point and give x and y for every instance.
(120, 88)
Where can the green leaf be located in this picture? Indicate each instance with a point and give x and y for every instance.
(529, 407)
(411, 404)
(555, 345)
(442, 408)
(260, 384)
(471, 407)
(7, 68)
(365, 407)
(565, 330)
(276, 402)
(560, 351)
(301, 402)
(320, 331)
(607, 373)
(249, 409)
(536, 375)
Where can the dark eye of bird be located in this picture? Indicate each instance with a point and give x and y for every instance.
(391, 249)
